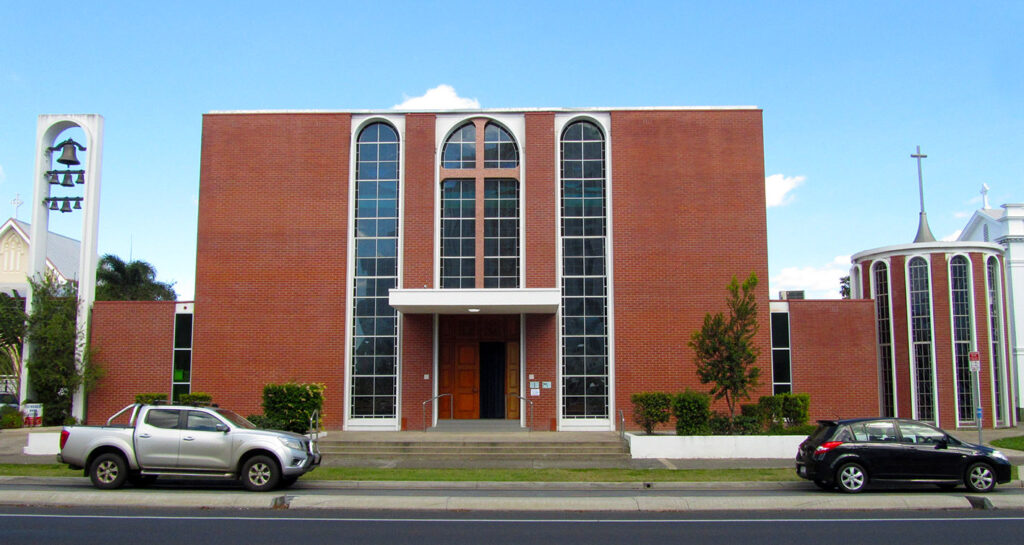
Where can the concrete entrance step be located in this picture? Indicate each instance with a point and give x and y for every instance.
(490, 449)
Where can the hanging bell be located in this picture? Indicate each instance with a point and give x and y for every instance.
(68, 181)
(81, 177)
(53, 204)
(66, 207)
(51, 177)
(67, 153)
(78, 204)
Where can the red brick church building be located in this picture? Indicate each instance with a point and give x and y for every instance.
(534, 266)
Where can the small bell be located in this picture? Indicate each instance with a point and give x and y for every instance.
(68, 181)
(66, 207)
(78, 204)
(81, 177)
(53, 204)
(51, 177)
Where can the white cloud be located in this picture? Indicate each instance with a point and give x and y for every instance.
(442, 97)
(954, 236)
(961, 215)
(777, 189)
(817, 282)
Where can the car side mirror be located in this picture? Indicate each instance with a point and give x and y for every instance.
(942, 443)
(222, 427)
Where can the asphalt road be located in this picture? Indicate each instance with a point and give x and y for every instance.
(86, 526)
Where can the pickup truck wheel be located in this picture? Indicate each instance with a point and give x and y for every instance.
(260, 474)
(108, 471)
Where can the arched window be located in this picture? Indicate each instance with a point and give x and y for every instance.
(920, 296)
(497, 181)
(585, 346)
(499, 148)
(995, 314)
(374, 366)
(960, 294)
(883, 317)
(460, 149)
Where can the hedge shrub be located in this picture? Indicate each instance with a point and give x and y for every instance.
(692, 411)
(195, 399)
(795, 408)
(150, 398)
(292, 404)
(11, 418)
(651, 409)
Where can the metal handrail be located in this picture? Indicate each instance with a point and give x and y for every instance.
(530, 401)
(622, 425)
(315, 417)
(451, 407)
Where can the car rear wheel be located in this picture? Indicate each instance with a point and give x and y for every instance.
(980, 477)
(260, 473)
(851, 478)
(108, 471)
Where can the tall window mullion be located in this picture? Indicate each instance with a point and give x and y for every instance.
(883, 320)
(458, 233)
(960, 293)
(584, 273)
(501, 233)
(995, 324)
(374, 365)
(921, 340)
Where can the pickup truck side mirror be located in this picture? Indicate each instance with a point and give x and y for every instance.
(223, 428)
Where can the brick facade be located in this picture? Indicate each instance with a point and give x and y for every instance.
(687, 214)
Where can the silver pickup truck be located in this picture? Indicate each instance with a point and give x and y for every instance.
(183, 441)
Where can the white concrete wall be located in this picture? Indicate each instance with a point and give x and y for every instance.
(714, 446)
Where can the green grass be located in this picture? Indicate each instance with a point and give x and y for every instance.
(489, 475)
(1015, 443)
(38, 470)
(551, 475)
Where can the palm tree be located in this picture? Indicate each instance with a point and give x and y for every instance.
(132, 281)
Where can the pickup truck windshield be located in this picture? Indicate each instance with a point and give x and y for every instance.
(235, 419)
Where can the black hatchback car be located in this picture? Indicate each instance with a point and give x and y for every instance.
(849, 454)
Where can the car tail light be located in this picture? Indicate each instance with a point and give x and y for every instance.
(826, 446)
(64, 434)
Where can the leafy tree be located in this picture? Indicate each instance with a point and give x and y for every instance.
(12, 334)
(132, 281)
(51, 334)
(724, 346)
(844, 287)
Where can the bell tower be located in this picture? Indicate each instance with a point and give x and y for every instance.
(64, 183)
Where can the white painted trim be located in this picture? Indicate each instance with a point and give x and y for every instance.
(1008, 414)
(358, 123)
(892, 334)
(973, 341)
(910, 337)
(604, 121)
(480, 111)
(713, 446)
(922, 248)
(483, 300)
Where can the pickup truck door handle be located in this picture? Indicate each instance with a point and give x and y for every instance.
(144, 436)
(188, 438)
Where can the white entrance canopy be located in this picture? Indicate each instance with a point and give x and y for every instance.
(475, 301)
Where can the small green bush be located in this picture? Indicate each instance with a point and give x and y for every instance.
(720, 424)
(196, 399)
(747, 425)
(692, 411)
(771, 410)
(150, 399)
(651, 409)
(11, 418)
(292, 404)
(795, 408)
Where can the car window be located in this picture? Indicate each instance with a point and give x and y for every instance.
(880, 431)
(858, 432)
(163, 418)
(920, 434)
(843, 434)
(200, 421)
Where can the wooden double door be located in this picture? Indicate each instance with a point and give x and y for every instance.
(478, 365)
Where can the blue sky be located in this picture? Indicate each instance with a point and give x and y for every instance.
(848, 90)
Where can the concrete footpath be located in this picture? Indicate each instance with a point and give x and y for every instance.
(499, 496)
